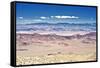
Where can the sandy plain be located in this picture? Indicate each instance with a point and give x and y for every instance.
(37, 48)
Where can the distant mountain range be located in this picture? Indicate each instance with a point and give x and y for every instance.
(89, 36)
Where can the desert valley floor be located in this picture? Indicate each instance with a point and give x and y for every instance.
(51, 48)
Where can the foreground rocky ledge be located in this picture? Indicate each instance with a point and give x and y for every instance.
(60, 58)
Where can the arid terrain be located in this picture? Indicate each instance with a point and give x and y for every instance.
(51, 48)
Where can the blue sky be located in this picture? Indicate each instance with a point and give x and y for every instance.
(35, 13)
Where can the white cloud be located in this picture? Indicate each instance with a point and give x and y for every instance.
(65, 17)
(20, 17)
(74, 17)
(43, 17)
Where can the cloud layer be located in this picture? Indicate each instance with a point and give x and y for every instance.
(59, 17)
(48, 19)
